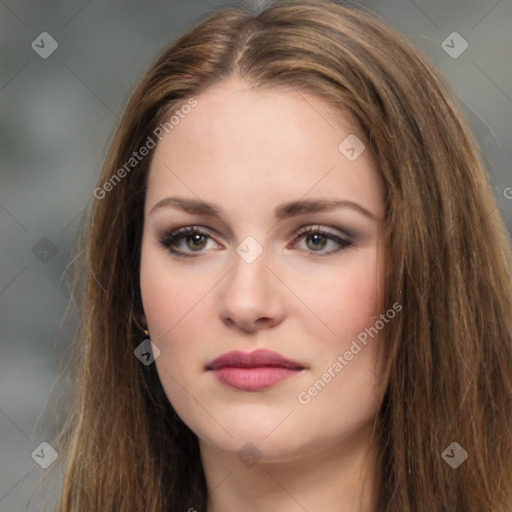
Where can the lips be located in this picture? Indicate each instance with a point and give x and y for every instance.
(253, 371)
(255, 359)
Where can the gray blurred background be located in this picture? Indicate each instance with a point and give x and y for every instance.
(59, 111)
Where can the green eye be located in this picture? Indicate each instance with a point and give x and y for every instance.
(320, 238)
(196, 240)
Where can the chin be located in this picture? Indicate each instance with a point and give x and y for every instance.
(280, 443)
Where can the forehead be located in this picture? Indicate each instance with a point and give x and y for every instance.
(241, 143)
(235, 116)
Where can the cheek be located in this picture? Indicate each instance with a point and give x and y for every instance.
(177, 310)
(169, 294)
(356, 300)
(348, 305)
(344, 297)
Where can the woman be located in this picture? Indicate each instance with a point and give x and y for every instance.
(298, 285)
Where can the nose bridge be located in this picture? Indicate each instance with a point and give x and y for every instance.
(249, 293)
(250, 273)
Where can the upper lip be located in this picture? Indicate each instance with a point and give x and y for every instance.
(255, 359)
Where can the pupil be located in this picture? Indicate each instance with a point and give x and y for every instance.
(317, 237)
(197, 238)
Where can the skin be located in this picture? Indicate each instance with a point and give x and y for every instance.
(248, 151)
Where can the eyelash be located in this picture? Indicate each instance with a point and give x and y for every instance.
(169, 239)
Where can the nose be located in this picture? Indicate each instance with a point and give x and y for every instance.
(251, 296)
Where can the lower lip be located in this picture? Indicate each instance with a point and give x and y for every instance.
(253, 379)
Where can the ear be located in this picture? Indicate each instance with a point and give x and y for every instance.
(143, 320)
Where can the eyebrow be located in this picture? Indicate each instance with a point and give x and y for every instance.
(283, 211)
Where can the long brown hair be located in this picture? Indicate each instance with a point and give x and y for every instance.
(447, 358)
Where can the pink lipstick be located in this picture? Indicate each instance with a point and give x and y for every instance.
(253, 371)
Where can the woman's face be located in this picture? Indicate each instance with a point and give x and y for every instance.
(253, 278)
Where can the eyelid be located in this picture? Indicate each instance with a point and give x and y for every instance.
(344, 241)
(172, 235)
(349, 234)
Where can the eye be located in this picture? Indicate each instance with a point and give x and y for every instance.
(194, 237)
(196, 240)
(317, 238)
